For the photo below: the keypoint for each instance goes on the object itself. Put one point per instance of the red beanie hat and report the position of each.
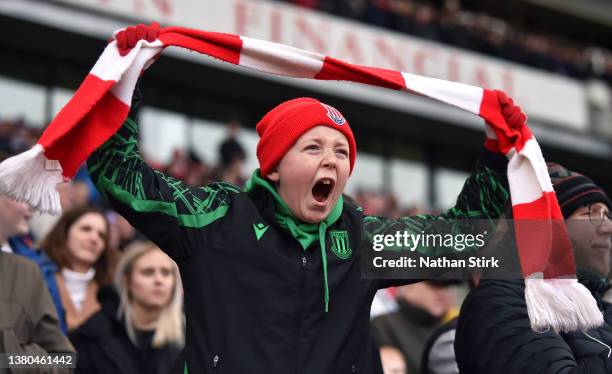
(282, 126)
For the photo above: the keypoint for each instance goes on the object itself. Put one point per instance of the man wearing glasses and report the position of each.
(494, 334)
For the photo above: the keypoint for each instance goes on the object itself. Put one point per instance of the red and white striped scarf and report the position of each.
(102, 102)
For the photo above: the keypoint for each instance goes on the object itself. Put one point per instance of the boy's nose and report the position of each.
(329, 159)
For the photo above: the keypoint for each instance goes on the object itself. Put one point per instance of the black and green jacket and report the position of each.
(257, 282)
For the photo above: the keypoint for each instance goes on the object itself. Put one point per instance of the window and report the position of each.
(448, 184)
(409, 183)
(161, 132)
(21, 100)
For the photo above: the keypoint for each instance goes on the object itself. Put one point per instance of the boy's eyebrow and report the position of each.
(340, 143)
(320, 140)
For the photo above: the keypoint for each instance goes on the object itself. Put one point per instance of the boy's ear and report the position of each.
(273, 175)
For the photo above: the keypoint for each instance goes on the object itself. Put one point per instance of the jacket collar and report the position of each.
(593, 282)
(304, 233)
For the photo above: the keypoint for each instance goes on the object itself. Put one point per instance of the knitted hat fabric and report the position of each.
(574, 189)
(282, 126)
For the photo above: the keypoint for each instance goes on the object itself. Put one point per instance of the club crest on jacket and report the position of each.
(340, 244)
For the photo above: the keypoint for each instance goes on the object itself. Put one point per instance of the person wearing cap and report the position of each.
(493, 332)
(272, 273)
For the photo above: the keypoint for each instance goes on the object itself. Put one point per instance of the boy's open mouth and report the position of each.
(322, 189)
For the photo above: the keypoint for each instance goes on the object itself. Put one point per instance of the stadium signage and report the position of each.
(541, 94)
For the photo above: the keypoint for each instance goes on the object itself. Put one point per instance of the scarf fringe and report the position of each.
(561, 305)
(30, 177)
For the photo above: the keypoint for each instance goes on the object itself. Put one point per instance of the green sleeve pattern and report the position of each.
(483, 199)
(120, 173)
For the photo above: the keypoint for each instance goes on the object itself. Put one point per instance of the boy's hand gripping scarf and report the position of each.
(555, 300)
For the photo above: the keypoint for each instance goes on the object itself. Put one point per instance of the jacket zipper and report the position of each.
(304, 262)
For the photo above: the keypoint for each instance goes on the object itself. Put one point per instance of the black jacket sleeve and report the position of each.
(483, 198)
(494, 336)
(175, 216)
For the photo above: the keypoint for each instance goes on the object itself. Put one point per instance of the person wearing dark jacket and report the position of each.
(493, 332)
(272, 274)
(439, 352)
(421, 310)
(140, 326)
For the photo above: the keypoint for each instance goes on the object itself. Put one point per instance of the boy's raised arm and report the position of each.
(169, 212)
(484, 196)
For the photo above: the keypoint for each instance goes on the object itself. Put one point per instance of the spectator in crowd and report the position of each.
(392, 360)
(197, 170)
(27, 315)
(21, 245)
(187, 166)
(232, 156)
(86, 191)
(384, 301)
(16, 137)
(422, 308)
(275, 232)
(121, 233)
(6, 131)
(608, 294)
(424, 18)
(78, 244)
(377, 203)
(72, 194)
(14, 217)
(28, 321)
(439, 352)
(353, 9)
(402, 15)
(140, 328)
(377, 12)
(179, 165)
(494, 333)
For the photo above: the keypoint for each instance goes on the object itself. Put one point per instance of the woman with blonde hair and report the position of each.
(78, 245)
(140, 328)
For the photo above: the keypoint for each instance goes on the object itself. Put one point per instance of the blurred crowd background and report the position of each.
(186, 165)
(513, 38)
(406, 171)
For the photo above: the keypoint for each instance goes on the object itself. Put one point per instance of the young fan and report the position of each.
(272, 274)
